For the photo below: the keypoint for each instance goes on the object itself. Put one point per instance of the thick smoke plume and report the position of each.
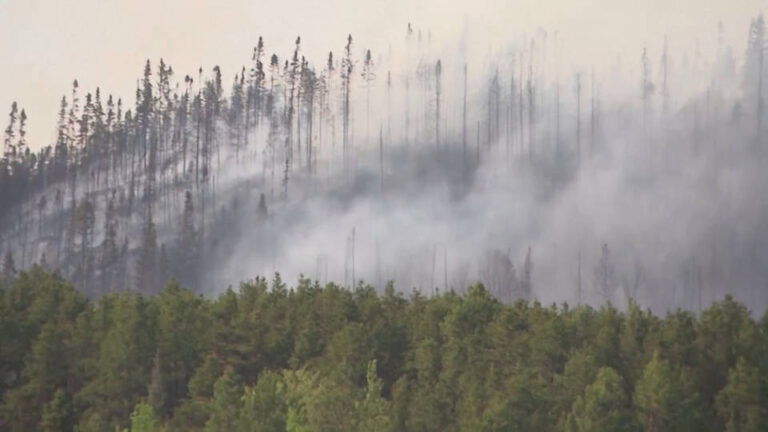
(429, 168)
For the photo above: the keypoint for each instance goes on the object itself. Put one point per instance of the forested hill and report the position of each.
(433, 164)
(265, 357)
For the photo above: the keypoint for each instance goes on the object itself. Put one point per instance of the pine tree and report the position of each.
(61, 150)
(226, 403)
(84, 220)
(373, 411)
(368, 75)
(464, 119)
(604, 275)
(22, 142)
(109, 248)
(293, 85)
(578, 117)
(526, 286)
(347, 67)
(57, 414)
(662, 401)
(146, 266)
(156, 397)
(188, 246)
(754, 72)
(143, 419)
(438, 89)
(742, 403)
(265, 405)
(602, 407)
(8, 269)
(646, 87)
(259, 77)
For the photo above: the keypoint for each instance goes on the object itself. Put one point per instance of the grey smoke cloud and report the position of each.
(675, 193)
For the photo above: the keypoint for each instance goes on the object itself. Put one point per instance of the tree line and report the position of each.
(129, 195)
(266, 357)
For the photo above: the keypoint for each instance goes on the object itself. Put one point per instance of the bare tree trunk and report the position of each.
(381, 158)
(464, 119)
(578, 118)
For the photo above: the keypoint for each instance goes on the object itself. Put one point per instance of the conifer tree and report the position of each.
(188, 246)
(9, 140)
(57, 413)
(259, 77)
(146, 265)
(526, 285)
(368, 75)
(84, 220)
(578, 117)
(226, 402)
(646, 87)
(741, 404)
(109, 247)
(661, 399)
(603, 407)
(347, 66)
(438, 89)
(143, 419)
(604, 275)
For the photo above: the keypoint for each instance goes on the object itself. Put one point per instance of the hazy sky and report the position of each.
(48, 43)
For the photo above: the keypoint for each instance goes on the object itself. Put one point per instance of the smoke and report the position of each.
(620, 186)
(684, 221)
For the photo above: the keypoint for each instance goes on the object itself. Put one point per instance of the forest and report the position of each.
(406, 166)
(266, 357)
(427, 238)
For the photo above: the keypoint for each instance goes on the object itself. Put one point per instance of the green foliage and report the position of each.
(742, 403)
(373, 412)
(265, 407)
(266, 357)
(663, 400)
(143, 419)
(604, 407)
(225, 406)
(57, 414)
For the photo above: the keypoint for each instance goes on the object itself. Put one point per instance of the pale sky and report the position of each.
(48, 43)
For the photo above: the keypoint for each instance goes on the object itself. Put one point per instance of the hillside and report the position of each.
(268, 357)
(427, 166)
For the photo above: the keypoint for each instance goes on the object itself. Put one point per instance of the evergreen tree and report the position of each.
(661, 400)
(604, 275)
(109, 248)
(146, 266)
(742, 403)
(603, 407)
(8, 269)
(373, 411)
(188, 246)
(265, 406)
(57, 414)
(143, 419)
(526, 285)
(84, 220)
(368, 75)
(226, 403)
(347, 67)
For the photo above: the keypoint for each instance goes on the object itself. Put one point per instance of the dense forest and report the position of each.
(428, 165)
(481, 241)
(265, 357)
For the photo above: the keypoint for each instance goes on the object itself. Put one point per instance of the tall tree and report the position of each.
(347, 67)
(741, 404)
(603, 407)
(604, 275)
(188, 246)
(438, 89)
